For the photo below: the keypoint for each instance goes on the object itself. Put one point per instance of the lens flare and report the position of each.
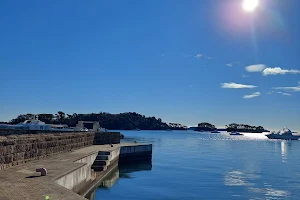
(250, 5)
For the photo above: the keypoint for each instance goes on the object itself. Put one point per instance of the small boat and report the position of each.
(235, 133)
(215, 131)
(285, 134)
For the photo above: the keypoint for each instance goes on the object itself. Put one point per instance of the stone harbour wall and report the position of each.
(107, 138)
(16, 149)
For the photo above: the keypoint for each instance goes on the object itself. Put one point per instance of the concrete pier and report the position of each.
(67, 173)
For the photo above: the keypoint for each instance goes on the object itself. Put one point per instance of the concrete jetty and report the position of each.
(68, 174)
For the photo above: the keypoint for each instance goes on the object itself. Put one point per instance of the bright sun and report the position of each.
(250, 5)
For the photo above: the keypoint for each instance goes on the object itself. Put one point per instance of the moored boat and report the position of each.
(235, 133)
(285, 134)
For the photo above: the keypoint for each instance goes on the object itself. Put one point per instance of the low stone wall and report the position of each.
(22, 147)
(16, 149)
(107, 138)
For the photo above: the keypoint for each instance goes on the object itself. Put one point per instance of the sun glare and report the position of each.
(250, 5)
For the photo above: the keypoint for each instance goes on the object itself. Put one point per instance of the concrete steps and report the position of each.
(106, 157)
(102, 161)
(103, 153)
(99, 168)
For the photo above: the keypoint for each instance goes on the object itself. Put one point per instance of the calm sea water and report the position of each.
(191, 165)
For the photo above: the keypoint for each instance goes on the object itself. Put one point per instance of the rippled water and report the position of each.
(192, 165)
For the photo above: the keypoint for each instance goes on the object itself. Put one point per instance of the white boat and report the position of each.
(216, 131)
(235, 133)
(285, 134)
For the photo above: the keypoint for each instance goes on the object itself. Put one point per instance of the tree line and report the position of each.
(204, 126)
(122, 121)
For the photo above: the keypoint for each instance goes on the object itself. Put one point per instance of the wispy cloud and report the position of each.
(198, 56)
(286, 94)
(283, 93)
(249, 96)
(236, 86)
(292, 89)
(231, 64)
(244, 76)
(256, 68)
(279, 71)
(270, 92)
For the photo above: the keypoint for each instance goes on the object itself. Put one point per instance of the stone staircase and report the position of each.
(102, 161)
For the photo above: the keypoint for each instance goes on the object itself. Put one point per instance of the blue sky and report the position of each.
(183, 61)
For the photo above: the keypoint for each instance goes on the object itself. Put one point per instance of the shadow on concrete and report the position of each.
(35, 176)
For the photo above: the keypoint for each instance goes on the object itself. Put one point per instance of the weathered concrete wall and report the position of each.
(76, 179)
(16, 149)
(133, 153)
(82, 180)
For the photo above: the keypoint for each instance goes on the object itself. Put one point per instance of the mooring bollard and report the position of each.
(42, 170)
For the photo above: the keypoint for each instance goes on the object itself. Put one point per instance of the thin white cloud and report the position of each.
(249, 96)
(244, 76)
(292, 89)
(198, 56)
(283, 93)
(256, 68)
(299, 82)
(279, 71)
(231, 64)
(236, 86)
(286, 94)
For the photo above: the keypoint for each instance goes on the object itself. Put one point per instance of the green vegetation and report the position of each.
(244, 128)
(122, 121)
(130, 121)
(204, 126)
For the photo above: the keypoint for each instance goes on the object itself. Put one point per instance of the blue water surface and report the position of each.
(193, 165)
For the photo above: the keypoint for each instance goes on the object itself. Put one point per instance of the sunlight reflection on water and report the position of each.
(193, 165)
